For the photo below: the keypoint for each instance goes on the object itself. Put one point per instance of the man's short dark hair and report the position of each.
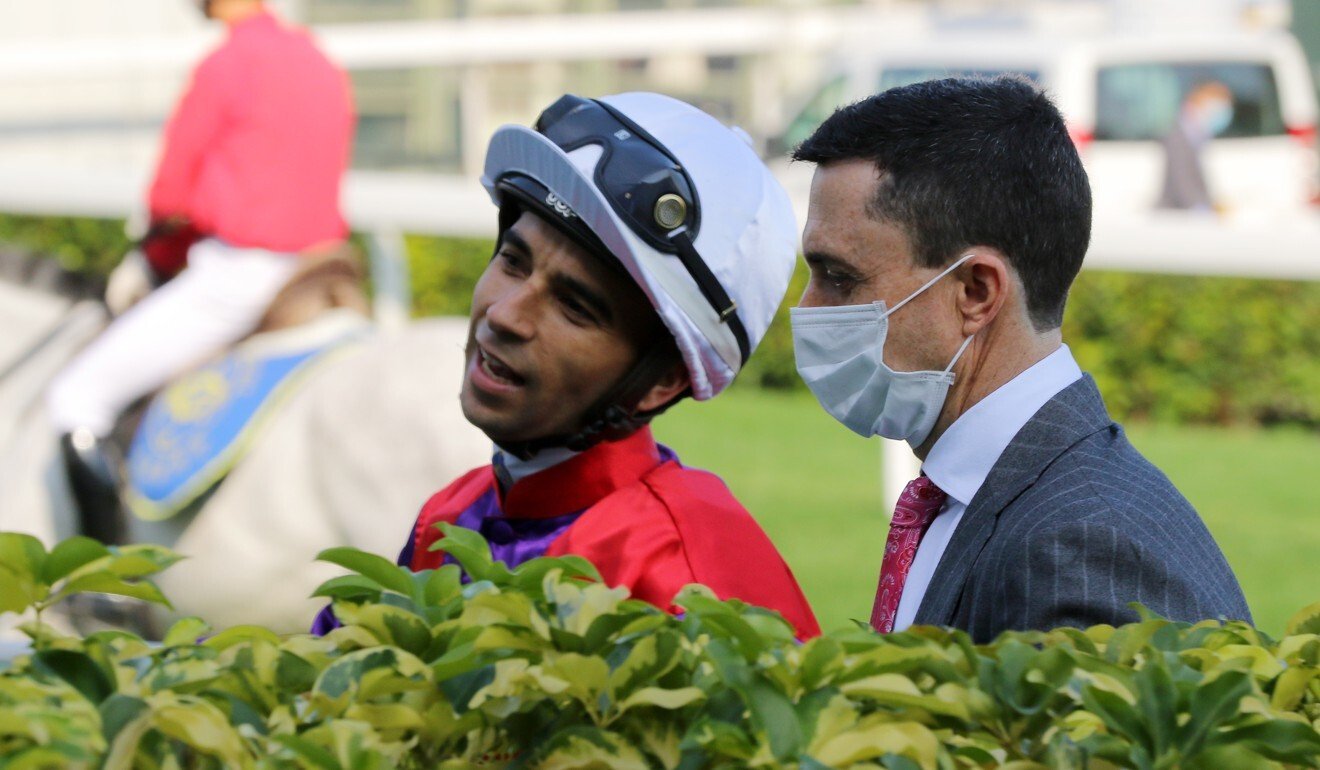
(972, 161)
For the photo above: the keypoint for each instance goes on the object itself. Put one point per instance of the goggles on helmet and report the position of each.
(646, 187)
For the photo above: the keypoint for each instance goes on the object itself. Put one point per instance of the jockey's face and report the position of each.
(553, 330)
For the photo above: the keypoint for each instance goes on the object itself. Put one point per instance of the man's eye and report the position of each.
(836, 278)
(511, 261)
(577, 312)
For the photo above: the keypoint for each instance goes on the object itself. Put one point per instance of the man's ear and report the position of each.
(672, 384)
(985, 283)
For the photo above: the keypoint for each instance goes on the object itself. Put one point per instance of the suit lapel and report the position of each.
(1075, 412)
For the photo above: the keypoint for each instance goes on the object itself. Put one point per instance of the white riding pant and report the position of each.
(216, 301)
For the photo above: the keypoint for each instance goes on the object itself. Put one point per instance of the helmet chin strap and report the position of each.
(614, 416)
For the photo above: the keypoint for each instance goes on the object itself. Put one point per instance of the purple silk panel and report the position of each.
(512, 541)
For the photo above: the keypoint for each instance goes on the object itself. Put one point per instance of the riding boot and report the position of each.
(93, 466)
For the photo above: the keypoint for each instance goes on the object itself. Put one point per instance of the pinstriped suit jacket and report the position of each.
(1070, 526)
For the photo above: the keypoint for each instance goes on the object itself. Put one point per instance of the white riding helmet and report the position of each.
(680, 199)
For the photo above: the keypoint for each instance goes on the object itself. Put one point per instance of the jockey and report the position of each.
(248, 179)
(643, 251)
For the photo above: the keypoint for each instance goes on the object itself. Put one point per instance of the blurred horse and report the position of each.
(347, 458)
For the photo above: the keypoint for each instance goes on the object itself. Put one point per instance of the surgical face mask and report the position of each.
(1217, 117)
(840, 355)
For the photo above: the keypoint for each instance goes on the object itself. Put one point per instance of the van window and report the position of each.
(894, 77)
(821, 106)
(1141, 101)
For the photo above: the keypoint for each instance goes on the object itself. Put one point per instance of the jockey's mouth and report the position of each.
(497, 370)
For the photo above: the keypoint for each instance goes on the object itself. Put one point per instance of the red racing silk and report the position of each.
(646, 522)
(255, 150)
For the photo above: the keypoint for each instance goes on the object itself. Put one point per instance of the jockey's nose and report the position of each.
(514, 312)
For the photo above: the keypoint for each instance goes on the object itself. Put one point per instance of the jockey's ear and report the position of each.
(673, 384)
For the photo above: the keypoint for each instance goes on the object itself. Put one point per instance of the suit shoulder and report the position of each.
(1104, 477)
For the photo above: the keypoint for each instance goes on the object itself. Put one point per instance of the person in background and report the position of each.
(248, 178)
(643, 250)
(947, 221)
(1206, 112)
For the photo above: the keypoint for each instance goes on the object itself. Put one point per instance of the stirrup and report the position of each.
(92, 467)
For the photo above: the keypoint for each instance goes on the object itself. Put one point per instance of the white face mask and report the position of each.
(840, 355)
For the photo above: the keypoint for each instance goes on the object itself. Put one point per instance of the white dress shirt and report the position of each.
(962, 458)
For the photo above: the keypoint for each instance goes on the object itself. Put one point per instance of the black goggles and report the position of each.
(647, 188)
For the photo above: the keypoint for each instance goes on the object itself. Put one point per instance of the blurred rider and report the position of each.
(643, 250)
(248, 178)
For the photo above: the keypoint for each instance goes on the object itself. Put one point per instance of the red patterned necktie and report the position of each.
(916, 509)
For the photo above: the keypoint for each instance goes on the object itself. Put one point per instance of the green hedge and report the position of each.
(543, 667)
(1164, 348)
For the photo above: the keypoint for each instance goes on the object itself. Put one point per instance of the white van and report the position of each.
(1120, 96)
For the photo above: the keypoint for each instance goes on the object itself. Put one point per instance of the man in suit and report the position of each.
(946, 223)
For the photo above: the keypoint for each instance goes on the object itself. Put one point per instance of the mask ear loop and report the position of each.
(958, 355)
(929, 284)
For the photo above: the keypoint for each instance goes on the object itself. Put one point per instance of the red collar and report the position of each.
(583, 480)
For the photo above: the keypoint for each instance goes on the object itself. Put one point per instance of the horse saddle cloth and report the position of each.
(198, 427)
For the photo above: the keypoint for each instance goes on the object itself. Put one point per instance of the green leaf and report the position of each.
(647, 661)
(1211, 705)
(105, 582)
(771, 710)
(119, 710)
(589, 748)
(21, 560)
(898, 691)
(17, 592)
(1292, 686)
(1157, 699)
(1279, 740)
(663, 698)
(443, 585)
(1118, 715)
(1305, 621)
(240, 635)
(309, 752)
(69, 555)
(186, 632)
(472, 553)
(459, 688)
(349, 587)
(721, 617)
(821, 658)
(391, 625)
(529, 575)
(358, 669)
(293, 674)
(78, 669)
(384, 572)
(22, 554)
(197, 723)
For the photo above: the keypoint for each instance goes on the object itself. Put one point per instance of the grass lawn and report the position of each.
(814, 486)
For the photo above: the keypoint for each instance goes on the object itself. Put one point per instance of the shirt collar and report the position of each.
(581, 479)
(512, 469)
(962, 458)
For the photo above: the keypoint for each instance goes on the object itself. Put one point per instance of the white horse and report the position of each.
(347, 460)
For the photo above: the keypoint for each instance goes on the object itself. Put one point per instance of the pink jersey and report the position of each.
(256, 148)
